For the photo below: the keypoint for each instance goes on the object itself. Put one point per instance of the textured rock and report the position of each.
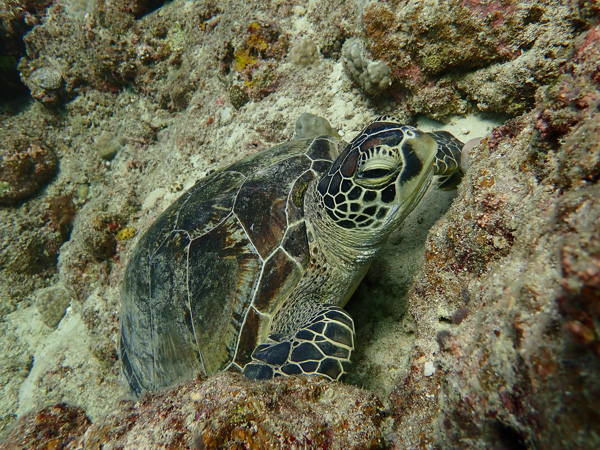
(31, 237)
(15, 365)
(101, 48)
(55, 426)
(228, 411)
(17, 17)
(26, 165)
(465, 55)
(506, 305)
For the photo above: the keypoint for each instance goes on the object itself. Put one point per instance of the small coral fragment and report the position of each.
(238, 96)
(305, 53)
(308, 125)
(52, 303)
(45, 85)
(126, 233)
(100, 237)
(107, 145)
(372, 76)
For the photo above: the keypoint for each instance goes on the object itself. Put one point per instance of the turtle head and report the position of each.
(379, 177)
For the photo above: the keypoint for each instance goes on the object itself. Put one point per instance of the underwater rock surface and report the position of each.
(56, 426)
(506, 307)
(493, 344)
(226, 410)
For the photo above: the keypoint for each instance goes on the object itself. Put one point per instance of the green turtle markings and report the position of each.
(249, 269)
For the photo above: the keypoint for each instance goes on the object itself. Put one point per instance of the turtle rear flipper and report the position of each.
(323, 346)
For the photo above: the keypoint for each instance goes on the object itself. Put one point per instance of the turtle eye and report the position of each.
(375, 173)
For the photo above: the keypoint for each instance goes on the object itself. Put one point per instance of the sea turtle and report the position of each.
(250, 268)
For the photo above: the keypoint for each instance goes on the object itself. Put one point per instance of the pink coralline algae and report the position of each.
(495, 12)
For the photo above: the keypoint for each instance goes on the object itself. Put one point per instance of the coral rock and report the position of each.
(26, 165)
(492, 55)
(518, 259)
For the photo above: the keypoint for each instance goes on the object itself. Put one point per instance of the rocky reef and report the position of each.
(506, 304)
(482, 333)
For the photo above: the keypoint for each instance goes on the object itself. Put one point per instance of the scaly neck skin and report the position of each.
(351, 249)
(340, 259)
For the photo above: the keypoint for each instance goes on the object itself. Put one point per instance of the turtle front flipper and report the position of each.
(323, 346)
(447, 160)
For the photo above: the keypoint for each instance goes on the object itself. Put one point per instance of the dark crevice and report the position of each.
(16, 23)
(10, 79)
(509, 438)
(140, 9)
